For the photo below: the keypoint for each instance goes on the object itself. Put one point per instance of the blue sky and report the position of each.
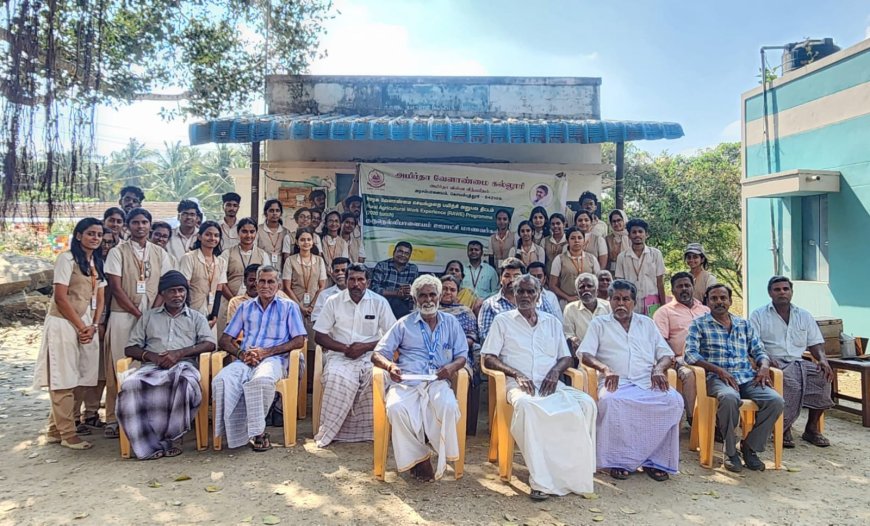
(663, 60)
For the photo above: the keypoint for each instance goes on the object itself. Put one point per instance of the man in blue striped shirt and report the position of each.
(726, 347)
(244, 390)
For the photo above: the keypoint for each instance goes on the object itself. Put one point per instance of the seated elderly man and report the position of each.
(726, 347)
(431, 348)
(339, 278)
(787, 332)
(348, 328)
(638, 413)
(250, 292)
(510, 269)
(157, 402)
(579, 313)
(244, 390)
(673, 320)
(528, 346)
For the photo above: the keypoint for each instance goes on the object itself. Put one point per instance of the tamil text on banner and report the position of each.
(440, 208)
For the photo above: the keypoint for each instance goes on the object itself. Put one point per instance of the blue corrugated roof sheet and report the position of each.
(333, 127)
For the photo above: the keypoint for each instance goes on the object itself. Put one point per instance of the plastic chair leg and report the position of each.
(123, 442)
(493, 423)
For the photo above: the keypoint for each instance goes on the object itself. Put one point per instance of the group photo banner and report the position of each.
(440, 208)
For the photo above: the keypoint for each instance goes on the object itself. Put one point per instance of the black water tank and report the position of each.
(799, 54)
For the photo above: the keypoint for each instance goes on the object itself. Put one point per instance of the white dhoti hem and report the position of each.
(556, 435)
(428, 410)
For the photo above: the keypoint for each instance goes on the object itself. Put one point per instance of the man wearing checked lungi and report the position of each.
(348, 327)
(244, 390)
(787, 331)
(157, 402)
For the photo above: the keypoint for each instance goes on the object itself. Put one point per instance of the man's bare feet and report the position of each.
(423, 471)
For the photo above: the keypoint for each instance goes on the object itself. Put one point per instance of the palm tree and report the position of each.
(180, 174)
(129, 166)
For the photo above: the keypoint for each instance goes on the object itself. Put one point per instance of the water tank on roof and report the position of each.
(799, 54)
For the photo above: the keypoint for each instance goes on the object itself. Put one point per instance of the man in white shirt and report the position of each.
(579, 313)
(528, 346)
(638, 413)
(348, 328)
(339, 277)
(787, 331)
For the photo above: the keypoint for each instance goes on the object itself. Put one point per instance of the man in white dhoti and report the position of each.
(638, 413)
(348, 328)
(530, 348)
(244, 390)
(430, 345)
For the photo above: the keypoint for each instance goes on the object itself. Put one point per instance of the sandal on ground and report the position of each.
(787, 440)
(619, 474)
(154, 456)
(94, 421)
(657, 474)
(111, 430)
(77, 446)
(52, 439)
(538, 495)
(816, 439)
(261, 443)
(82, 429)
(172, 452)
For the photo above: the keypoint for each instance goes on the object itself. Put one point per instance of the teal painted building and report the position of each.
(806, 187)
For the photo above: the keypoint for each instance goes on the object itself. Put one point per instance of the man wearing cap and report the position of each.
(230, 237)
(673, 320)
(696, 260)
(156, 402)
(244, 390)
(787, 332)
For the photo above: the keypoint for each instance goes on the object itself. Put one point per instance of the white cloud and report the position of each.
(358, 45)
(731, 132)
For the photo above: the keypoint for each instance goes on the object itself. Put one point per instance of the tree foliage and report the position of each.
(687, 199)
(64, 57)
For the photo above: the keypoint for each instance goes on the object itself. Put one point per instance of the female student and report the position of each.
(696, 260)
(245, 253)
(595, 244)
(617, 241)
(526, 250)
(69, 353)
(114, 218)
(465, 296)
(503, 240)
(271, 234)
(206, 271)
(570, 264)
(557, 241)
(334, 246)
(540, 224)
(304, 276)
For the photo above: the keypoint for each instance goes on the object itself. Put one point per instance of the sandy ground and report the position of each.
(47, 484)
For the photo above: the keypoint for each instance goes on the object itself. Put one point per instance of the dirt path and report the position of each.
(47, 484)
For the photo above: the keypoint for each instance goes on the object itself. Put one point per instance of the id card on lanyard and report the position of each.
(433, 345)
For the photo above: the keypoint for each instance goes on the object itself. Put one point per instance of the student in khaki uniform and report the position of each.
(69, 353)
(570, 264)
(133, 269)
(238, 258)
(206, 272)
(334, 246)
(271, 234)
(229, 230)
(304, 276)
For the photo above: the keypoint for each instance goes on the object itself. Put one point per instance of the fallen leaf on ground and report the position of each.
(793, 470)
(510, 518)
(271, 519)
(181, 478)
(598, 518)
(594, 510)
(33, 455)
(153, 483)
(81, 516)
(627, 511)
(217, 475)
(212, 489)
(176, 503)
(249, 518)
(590, 496)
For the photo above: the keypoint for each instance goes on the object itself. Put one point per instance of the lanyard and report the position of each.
(474, 279)
(242, 258)
(140, 262)
(210, 272)
(574, 260)
(638, 267)
(306, 277)
(431, 346)
(93, 272)
(330, 242)
(271, 240)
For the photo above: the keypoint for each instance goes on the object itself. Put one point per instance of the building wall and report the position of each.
(469, 97)
(818, 118)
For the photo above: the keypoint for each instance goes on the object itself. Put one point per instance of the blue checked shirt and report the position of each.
(495, 305)
(735, 351)
(386, 276)
(278, 323)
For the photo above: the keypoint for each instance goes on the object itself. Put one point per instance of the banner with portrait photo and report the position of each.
(440, 208)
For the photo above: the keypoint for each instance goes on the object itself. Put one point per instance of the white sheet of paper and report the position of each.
(423, 377)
